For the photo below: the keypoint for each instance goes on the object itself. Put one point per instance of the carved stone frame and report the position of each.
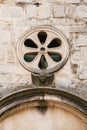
(45, 96)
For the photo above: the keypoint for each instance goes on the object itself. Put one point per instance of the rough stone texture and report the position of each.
(77, 59)
(31, 11)
(69, 11)
(85, 0)
(6, 25)
(78, 29)
(61, 11)
(4, 36)
(73, 1)
(1, 1)
(24, 1)
(70, 82)
(66, 1)
(58, 11)
(68, 16)
(81, 11)
(11, 12)
(42, 12)
(3, 54)
(80, 39)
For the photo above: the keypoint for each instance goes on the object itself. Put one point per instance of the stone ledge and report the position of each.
(78, 29)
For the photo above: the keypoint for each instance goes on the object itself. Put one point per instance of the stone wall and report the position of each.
(69, 16)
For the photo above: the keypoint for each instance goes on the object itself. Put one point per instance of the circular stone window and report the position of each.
(43, 49)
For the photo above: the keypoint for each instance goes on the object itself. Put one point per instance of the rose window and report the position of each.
(43, 49)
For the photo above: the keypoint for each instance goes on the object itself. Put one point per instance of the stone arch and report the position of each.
(43, 105)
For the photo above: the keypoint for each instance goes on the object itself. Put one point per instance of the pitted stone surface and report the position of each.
(68, 16)
(59, 11)
(66, 1)
(81, 11)
(24, 1)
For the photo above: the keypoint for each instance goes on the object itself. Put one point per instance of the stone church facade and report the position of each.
(43, 64)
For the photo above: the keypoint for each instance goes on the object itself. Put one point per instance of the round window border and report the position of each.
(44, 94)
(40, 71)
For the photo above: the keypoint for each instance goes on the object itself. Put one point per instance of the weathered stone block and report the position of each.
(6, 25)
(44, 11)
(24, 1)
(58, 11)
(62, 82)
(19, 31)
(11, 55)
(72, 1)
(66, 1)
(31, 11)
(85, 0)
(79, 62)
(81, 11)
(67, 22)
(12, 68)
(24, 80)
(8, 78)
(78, 29)
(1, 1)
(63, 11)
(82, 86)
(4, 37)
(3, 54)
(80, 39)
(11, 12)
(69, 11)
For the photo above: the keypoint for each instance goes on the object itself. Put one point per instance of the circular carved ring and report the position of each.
(43, 49)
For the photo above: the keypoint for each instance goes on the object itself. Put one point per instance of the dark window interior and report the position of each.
(30, 43)
(55, 56)
(54, 43)
(29, 57)
(43, 63)
(42, 37)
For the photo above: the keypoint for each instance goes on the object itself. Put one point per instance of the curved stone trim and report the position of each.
(27, 95)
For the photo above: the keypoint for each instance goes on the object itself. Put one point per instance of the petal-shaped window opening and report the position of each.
(43, 63)
(30, 43)
(42, 37)
(28, 57)
(54, 43)
(55, 56)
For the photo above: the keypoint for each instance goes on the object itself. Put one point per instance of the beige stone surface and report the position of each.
(11, 12)
(59, 11)
(80, 40)
(44, 11)
(43, 119)
(68, 16)
(24, 1)
(85, 0)
(78, 58)
(81, 11)
(4, 37)
(31, 11)
(66, 1)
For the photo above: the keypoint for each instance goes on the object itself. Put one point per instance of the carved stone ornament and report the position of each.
(43, 50)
